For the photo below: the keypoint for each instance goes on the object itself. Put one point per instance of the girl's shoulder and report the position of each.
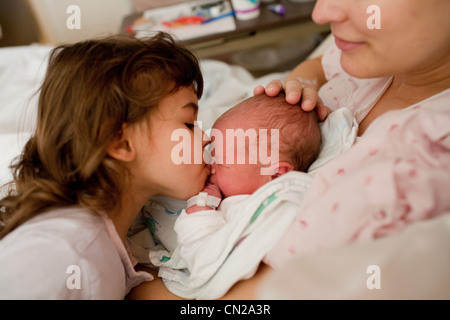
(61, 254)
(74, 226)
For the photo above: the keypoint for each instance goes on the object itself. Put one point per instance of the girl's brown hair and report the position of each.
(90, 90)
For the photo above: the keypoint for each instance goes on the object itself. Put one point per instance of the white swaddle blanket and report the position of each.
(217, 248)
(239, 235)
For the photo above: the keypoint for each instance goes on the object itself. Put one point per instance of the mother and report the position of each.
(396, 80)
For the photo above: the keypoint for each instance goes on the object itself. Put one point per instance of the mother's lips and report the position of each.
(346, 45)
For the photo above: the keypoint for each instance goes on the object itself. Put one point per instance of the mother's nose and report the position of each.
(329, 11)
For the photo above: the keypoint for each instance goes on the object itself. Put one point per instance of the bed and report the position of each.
(412, 265)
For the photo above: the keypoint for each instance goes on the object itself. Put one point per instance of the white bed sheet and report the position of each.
(21, 72)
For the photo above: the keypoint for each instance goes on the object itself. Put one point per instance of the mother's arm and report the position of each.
(242, 290)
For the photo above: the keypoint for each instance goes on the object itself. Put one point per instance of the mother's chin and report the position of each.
(364, 63)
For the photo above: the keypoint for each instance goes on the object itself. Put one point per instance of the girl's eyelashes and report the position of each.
(189, 125)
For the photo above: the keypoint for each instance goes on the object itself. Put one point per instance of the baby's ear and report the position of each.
(121, 147)
(283, 167)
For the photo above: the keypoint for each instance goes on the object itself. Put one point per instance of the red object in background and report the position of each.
(183, 21)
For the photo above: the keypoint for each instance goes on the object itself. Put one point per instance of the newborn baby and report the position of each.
(293, 145)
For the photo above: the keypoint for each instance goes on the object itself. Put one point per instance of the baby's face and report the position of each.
(232, 170)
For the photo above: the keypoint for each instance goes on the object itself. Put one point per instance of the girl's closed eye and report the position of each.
(189, 125)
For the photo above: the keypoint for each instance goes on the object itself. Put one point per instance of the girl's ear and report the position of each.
(121, 147)
(283, 167)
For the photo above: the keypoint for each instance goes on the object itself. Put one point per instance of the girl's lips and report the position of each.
(346, 45)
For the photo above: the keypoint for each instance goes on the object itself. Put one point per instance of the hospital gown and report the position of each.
(396, 174)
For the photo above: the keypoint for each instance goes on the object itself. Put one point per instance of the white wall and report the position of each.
(97, 17)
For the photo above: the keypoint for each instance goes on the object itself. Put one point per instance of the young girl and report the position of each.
(101, 148)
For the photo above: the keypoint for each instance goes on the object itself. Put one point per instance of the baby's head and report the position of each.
(259, 121)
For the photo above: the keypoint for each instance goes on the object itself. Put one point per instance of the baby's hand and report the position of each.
(212, 189)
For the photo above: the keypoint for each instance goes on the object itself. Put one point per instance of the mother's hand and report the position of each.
(295, 91)
(248, 289)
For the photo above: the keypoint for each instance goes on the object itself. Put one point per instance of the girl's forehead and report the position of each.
(183, 100)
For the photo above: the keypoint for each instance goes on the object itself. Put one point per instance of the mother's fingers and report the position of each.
(293, 90)
(259, 90)
(322, 112)
(310, 99)
(274, 87)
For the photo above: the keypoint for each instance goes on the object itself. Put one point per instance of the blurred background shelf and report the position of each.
(261, 45)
